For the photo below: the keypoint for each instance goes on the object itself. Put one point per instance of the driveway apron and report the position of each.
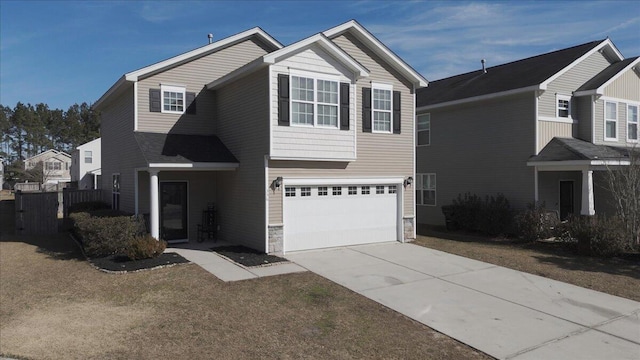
(505, 313)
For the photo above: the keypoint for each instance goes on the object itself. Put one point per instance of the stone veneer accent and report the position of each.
(275, 239)
(408, 226)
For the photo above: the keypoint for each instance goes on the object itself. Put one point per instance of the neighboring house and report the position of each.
(85, 165)
(303, 146)
(1, 173)
(541, 129)
(55, 166)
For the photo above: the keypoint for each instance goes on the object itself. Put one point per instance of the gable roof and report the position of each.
(570, 149)
(379, 48)
(179, 150)
(133, 76)
(597, 84)
(529, 74)
(55, 153)
(318, 39)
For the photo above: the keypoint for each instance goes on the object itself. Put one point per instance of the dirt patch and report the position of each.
(184, 312)
(615, 276)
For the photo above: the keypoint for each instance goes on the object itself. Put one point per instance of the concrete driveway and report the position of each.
(505, 313)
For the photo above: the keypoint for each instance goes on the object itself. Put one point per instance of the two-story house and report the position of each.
(543, 129)
(86, 165)
(55, 166)
(303, 146)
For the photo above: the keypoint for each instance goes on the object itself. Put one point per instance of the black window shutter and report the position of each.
(190, 98)
(155, 101)
(283, 100)
(396, 112)
(344, 106)
(366, 109)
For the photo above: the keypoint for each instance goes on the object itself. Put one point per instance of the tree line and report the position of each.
(28, 130)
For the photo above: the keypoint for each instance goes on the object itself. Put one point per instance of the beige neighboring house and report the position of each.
(56, 165)
(304, 146)
(543, 129)
(86, 165)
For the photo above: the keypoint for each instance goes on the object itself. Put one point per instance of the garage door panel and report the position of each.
(337, 220)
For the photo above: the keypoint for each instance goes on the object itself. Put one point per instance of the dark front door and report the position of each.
(173, 210)
(566, 199)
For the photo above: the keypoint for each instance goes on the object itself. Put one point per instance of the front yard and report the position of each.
(54, 306)
(615, 276)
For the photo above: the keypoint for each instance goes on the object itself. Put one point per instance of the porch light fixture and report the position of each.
(277, 182)
(408, 181)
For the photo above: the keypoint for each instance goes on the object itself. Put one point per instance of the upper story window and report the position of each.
(563, 109)
(382, 108)
(632, 123)
(52, 165)
(314, 101)
(610, 120)
(88, 157)
(173, 99)
(423, 137)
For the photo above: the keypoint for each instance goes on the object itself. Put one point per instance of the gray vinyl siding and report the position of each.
(243, 126)
(378, 155)
(480, 148)
(195, 75)
(584, 107)
(627, 87)
(602, 197)
(120, 152)
(621, 127)
(547, 130)
(568, 82)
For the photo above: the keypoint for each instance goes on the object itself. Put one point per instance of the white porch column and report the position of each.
(587, 193)
(154, 197)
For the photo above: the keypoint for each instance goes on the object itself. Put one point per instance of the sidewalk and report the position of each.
(505, 313)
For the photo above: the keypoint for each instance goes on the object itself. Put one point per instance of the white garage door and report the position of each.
(338, 215)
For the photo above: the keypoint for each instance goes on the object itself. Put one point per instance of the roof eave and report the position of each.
(379, 48)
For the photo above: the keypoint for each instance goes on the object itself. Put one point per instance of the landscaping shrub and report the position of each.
(535, 223)
(594, 235)
(491, 216)
(144, 247)
(106, 235)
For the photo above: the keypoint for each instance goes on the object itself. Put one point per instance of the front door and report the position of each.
(566, 199)
(173, 211)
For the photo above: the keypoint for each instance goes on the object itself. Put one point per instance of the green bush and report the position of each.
(594, 235)
(144, 247)
(491, 216)
(106, 235)
(535, 223)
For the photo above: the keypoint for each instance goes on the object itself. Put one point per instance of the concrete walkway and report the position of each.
(505, 313)
(227, 270)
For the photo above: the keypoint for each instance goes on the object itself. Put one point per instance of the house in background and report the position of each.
(55, 166)
(303, 146)
(1, 173)
(541, 129)
(86, 165)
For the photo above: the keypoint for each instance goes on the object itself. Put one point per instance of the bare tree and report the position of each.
(624, 184)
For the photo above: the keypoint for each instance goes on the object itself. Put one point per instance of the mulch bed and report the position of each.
(119, 263)
(247, 257)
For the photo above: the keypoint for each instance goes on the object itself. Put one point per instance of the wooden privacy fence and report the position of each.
(36, 213)
(75, 196)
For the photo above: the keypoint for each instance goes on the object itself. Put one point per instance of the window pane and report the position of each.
(424, 122)
(381, 99)
(611, 129)
(327, 91)
(424, 137)
(611, 110)
(381, 121)
(301, 113)
(633, 131)
(327, 115)
(632, 114)
(429, 197)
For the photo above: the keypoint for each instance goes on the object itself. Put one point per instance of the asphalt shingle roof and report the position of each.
(567, 149)
(183, 149)
(514, 75)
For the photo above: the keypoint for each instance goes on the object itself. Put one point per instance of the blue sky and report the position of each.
(66, 52)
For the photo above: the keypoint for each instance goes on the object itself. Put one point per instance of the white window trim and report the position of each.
(315, 102)
(388, 87)
(176, 89)
(418, 131)
(637, 122)
(567, 98)
(418, 187)
(605, 120)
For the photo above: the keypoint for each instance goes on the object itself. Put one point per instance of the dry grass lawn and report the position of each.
(615, 276)
(55, 306)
